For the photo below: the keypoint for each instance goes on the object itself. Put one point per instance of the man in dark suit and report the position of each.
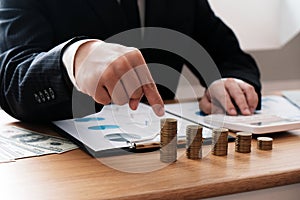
(50, 46)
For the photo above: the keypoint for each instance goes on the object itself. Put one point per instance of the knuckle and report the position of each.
(249, 88)
(230, 80)
(137, 56)
(120, 63)
(136, 52)
(150, 87)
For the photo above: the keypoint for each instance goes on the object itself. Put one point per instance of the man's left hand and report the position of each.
(228, 95)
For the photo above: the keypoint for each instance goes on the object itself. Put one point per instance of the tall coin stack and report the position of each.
(168, 140)
(194, 142)
(243, 142)
(264, 143)
(220, 141)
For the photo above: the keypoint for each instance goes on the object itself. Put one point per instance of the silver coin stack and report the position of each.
(168, 140)
(220, 141)
(194, 142)
(243, 142)
(264, 143)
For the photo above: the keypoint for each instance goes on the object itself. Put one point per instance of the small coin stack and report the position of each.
(243, 142)
(264, 143)
(194, 142)
(220, 141)
(168, 140)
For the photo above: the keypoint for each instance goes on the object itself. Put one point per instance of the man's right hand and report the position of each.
(115, 73)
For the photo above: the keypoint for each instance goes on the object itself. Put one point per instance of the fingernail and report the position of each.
(159, 110)
(247, 111)
(232, 111)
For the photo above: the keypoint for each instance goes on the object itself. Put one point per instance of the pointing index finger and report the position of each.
(147, 83)
(150, 89)
(154, 98)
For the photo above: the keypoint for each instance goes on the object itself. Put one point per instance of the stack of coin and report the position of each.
(220, 141)
(243, 142)
(194, 142)
(264, 143)
(168, 140)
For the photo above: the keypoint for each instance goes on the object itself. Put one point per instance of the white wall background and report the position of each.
(260, 24)
(290, 20)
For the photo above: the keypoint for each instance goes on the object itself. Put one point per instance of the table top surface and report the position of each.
(77, 175)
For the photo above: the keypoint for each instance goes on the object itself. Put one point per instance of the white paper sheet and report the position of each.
(115, 125)
(277, 114)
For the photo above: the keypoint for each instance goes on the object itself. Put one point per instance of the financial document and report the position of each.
(119, 126)
(277, 114)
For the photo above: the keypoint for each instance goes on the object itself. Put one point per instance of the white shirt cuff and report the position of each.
(69, 56)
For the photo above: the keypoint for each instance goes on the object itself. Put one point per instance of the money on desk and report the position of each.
(16, 143)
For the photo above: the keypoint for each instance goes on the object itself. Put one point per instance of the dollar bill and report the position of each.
(16, 150)
(5, 156)
(35, 142)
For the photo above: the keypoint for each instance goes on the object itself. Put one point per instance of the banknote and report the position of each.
(26, 143)
(16, 150)
(5, 156)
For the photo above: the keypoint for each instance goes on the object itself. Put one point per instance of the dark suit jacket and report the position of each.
(34, 84)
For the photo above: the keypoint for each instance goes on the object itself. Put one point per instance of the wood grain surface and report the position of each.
(76, 175)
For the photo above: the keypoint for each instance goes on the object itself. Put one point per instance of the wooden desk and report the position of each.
(76, 175)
